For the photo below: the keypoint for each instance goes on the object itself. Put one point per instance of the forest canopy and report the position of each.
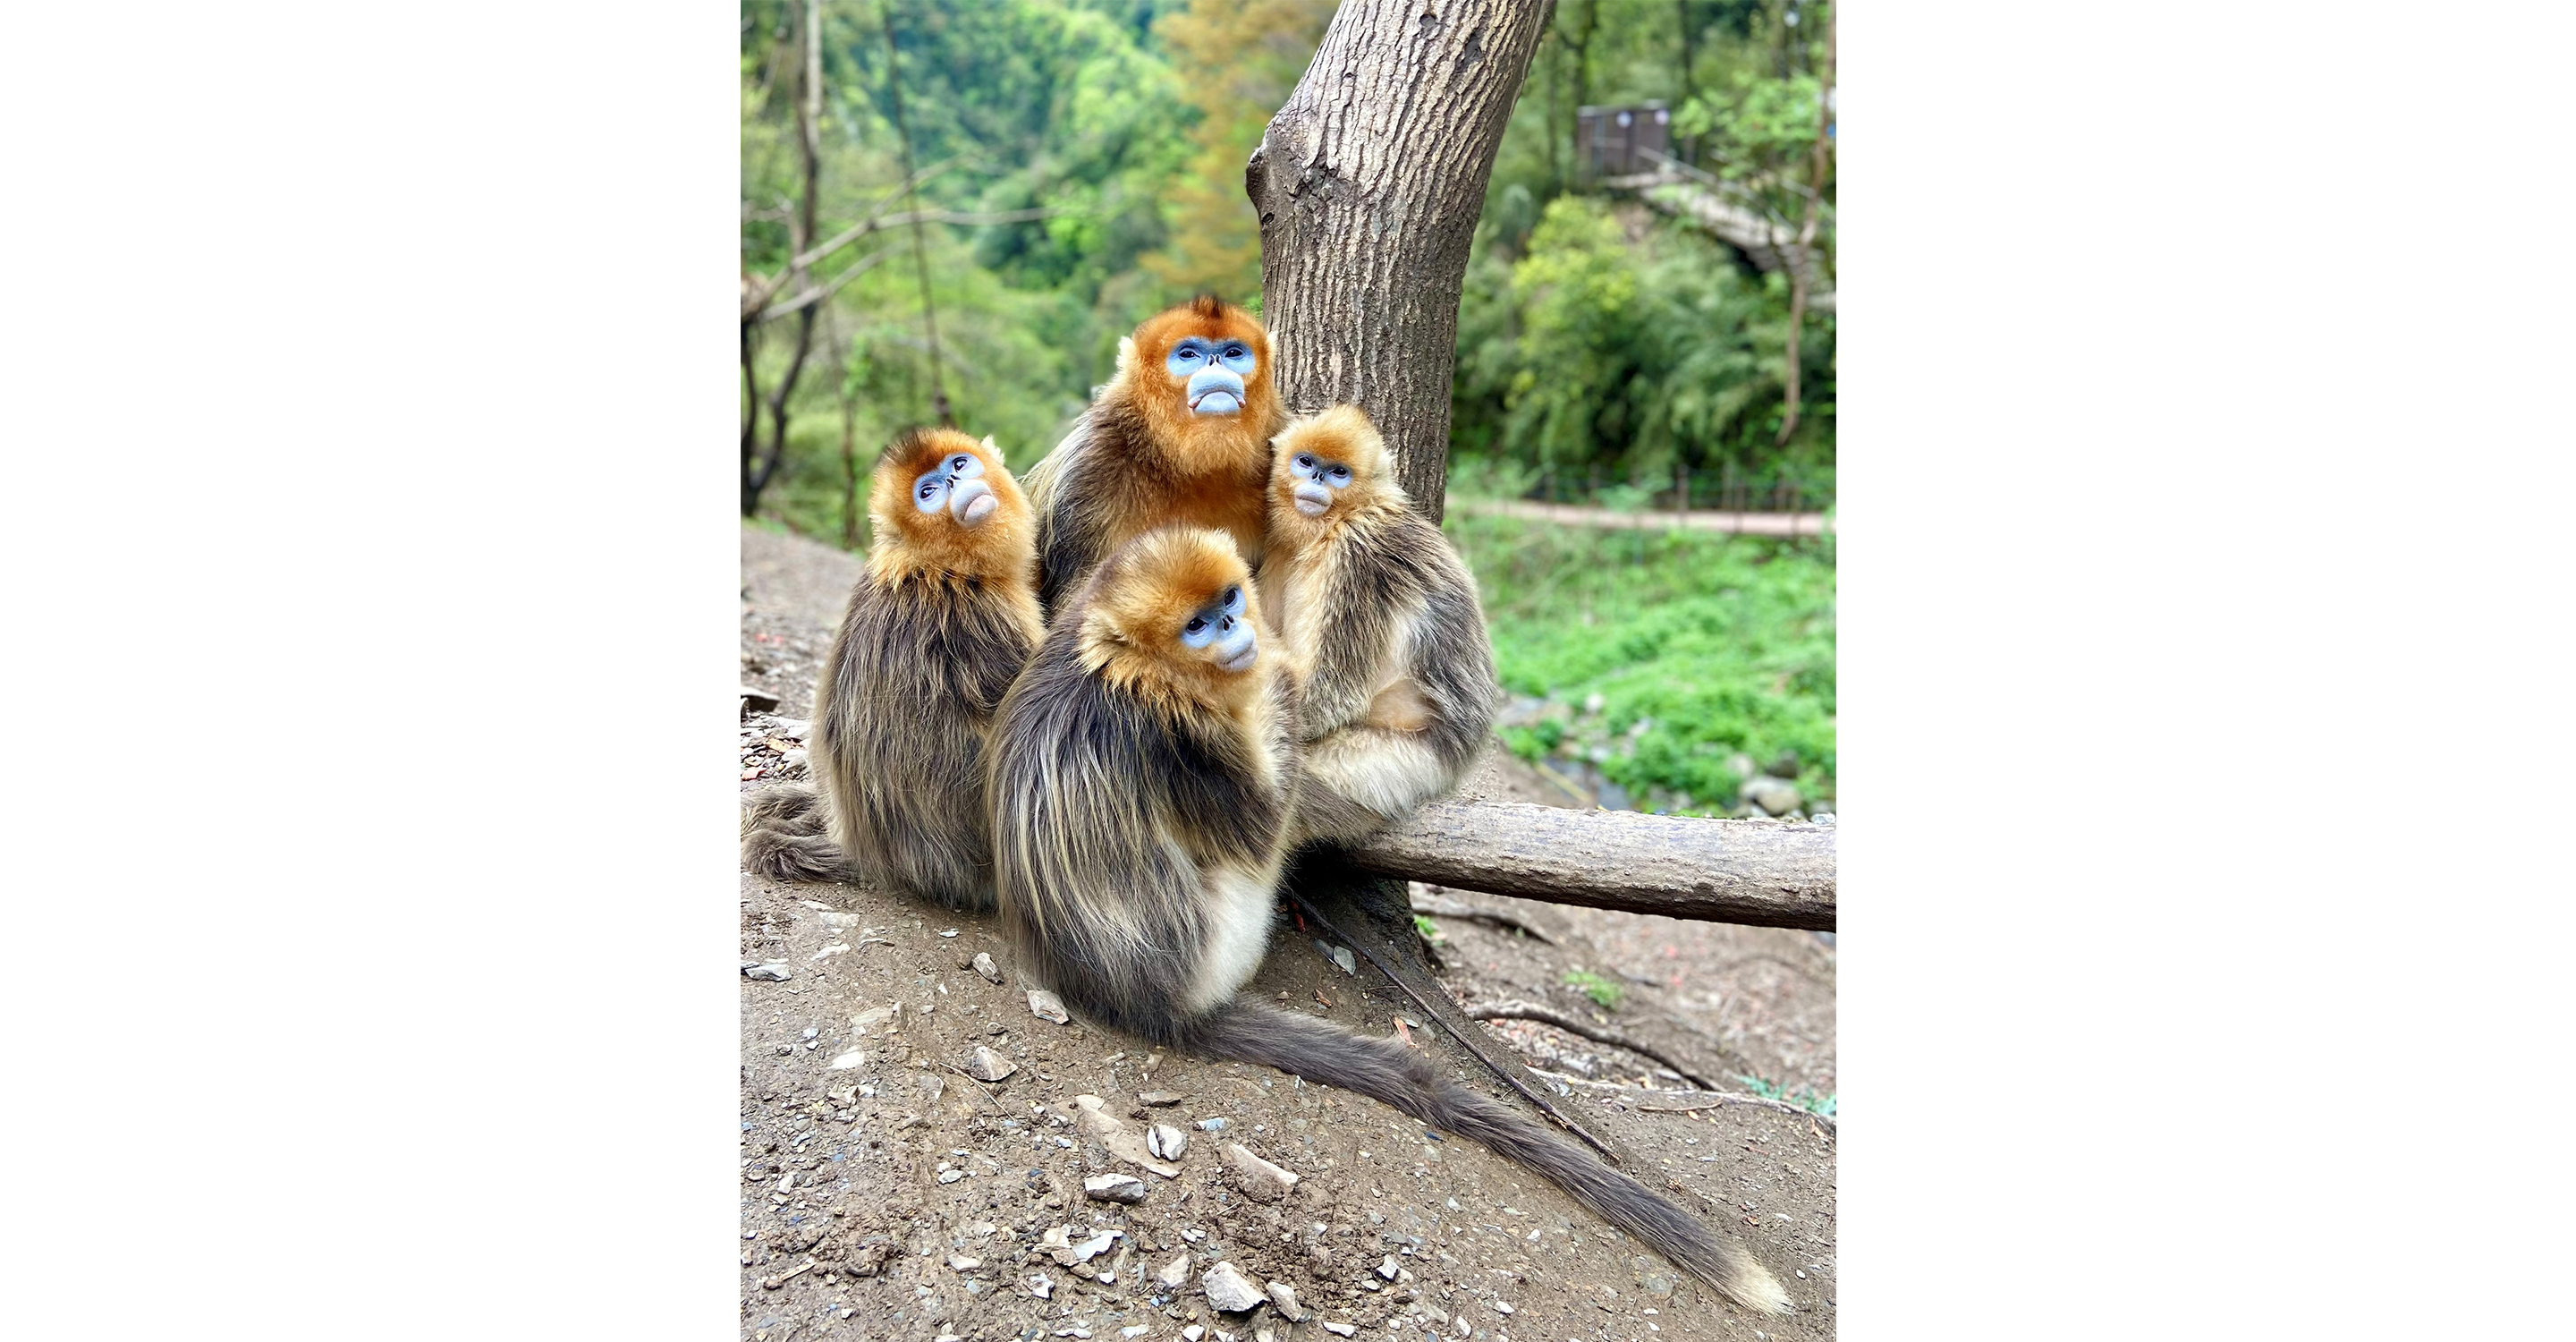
(1086, 157)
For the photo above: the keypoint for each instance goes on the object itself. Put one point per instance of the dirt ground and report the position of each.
(887, 1193)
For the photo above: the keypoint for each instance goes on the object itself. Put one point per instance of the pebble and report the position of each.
(958, 1262)
(1283, 1298)
(984, 965)
(1502, 1306)
(1388, 1269)
(1228, 1291)
(1339, 955)
(951, 1176)
(949, 933)
(1160, 1098)
(1211, 1125)
(1341, 1330)
(774, 971)
(1260, 1180)
(847, 1061)
(987, 1065)
(1045, 1006)
(1193, 1333)
(1176, 1273)
(1040, 1286)
(1135, 1330)
(1166, 1142)
(1059, 1243)
(1114, 1188)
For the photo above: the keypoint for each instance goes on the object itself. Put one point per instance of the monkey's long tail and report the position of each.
(1387, 1071)
(786, 835)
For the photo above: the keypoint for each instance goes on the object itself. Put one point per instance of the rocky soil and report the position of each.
(928, 1152)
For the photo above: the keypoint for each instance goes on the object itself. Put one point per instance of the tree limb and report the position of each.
(822, 291)
(1439, 907)
(1765, 873)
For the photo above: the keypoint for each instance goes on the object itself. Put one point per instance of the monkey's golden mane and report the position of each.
(1139, 599)
(1205, 442)
(910, 543)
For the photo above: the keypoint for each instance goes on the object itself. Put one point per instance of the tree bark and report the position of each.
(1369, 181)
(1764, 873)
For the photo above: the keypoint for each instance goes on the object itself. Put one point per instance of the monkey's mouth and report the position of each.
(1240, 661)
(972, 502)
(1312, 499)
(1216, 401)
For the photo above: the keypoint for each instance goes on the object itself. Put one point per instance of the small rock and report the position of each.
(1773, 795)
(1227, 1290)
(1040, 1286)
(1283, 1298)
(1160, 1098)
(1339, 955)
(795, 729)
(758, 701)
(1341, 1330)
(1176, 1273)
(1388, 1269)
(1260, 1180)
(949, 933)
(847, 1061)
(987, 1065)
(1193, 1333)
(772, 971)
(1060, 1245)
(871, 1016)
(1114, 1188)
(951, 1176)
(1166, 1142)
(984, 965)
(1502, 1306)
(1045, 1006)
(1211, 1125)
(958, 1262)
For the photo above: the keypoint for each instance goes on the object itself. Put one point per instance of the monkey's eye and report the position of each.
(958, 463)
(1237, 356)
(1338, 476)
(1234, 598)
(1199, 632)
(1237, 352)
(1305, 462)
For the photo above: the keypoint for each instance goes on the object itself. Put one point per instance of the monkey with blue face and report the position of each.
(1144, 781)
(1380, 621)
(1179, 436)
(936, 630)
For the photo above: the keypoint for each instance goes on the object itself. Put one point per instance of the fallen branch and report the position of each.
(1440, 907)
(1766, 873)
(1596, 1033)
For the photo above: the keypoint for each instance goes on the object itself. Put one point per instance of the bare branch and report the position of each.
(823, 291)
(1599, 1034)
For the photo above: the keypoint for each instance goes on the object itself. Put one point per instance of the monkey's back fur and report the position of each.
(1140, 828)
(900, 714)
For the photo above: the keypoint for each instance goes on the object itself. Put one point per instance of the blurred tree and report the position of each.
(1237, 60)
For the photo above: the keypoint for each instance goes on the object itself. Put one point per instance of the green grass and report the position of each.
(1822, 1105)
(1605, 993)
(1704, 649)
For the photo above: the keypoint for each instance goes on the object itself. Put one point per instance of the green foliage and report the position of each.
(1631, 352)
(1605, 993)
(1427, 929)
(1701, 648)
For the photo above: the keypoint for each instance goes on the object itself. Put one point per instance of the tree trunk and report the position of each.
(1805, 263)
(1369, 182)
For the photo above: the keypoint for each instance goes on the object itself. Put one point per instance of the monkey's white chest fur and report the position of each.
(1239, 909)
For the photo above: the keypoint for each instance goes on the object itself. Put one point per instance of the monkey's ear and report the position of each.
(1126, 352)
(988, 444)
